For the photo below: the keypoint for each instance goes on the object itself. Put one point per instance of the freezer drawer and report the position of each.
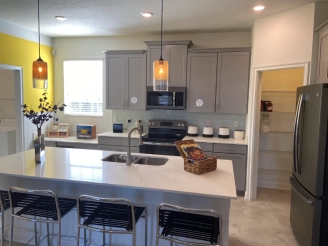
(305, 215)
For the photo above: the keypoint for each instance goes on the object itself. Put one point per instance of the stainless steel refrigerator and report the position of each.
(309, 182)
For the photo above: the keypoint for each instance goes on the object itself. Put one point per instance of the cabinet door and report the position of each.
(239, 168)
(232, 82)
(201, 82)
(177, 58)
(153, 54)
(115, 98)
(136, 77)
(323, 57)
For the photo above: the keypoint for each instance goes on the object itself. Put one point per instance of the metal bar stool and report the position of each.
(199, 224)
(38, 206)
(4, 204)
(99, 213)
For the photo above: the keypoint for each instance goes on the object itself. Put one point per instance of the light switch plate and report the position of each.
(235, 123)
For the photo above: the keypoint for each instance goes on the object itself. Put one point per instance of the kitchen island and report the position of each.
(71, 172)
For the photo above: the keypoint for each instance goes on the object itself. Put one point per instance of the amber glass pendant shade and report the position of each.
(161, 75)
(40, 74)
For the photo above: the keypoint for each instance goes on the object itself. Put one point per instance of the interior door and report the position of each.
(310, 138)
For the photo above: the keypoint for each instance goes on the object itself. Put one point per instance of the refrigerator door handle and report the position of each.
(309, 202)
(297, 168)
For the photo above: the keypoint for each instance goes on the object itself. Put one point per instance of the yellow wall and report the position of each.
(282, 80)
(20, 52)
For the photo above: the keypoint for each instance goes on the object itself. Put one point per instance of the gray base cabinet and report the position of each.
(126, 80)
(118, 144)
(175, 53)
(323, 54)
(239, 168)
(71, 145)
(238, 155)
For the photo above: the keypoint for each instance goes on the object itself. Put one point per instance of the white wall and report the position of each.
(7, 92)
(280, 39)
(92, 47)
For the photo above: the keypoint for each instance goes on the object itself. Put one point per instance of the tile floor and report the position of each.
(262, 222)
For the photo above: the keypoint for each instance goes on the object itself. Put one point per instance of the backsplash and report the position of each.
(198, 119)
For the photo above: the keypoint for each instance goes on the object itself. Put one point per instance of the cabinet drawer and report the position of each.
(118, 148)
(230, 148)
(50, 143)
(206, 146)
(117, 141)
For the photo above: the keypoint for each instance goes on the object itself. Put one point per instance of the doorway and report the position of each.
(15, 101)
(254, 130)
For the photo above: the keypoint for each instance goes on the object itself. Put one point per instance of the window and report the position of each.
(83, 87)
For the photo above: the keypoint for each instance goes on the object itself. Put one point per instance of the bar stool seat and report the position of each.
(38, 206)
(109, 212)
(199, 224)
(4, 204)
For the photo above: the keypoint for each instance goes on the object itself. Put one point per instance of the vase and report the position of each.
(39, 147)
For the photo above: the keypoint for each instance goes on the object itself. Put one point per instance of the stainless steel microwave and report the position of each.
(174, 98)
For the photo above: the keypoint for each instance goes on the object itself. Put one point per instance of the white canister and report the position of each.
(208, 132)
(239, 134)
(224, 132)
(192, 131)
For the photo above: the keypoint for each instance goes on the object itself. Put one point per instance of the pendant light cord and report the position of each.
(39, 26)
(161, 30)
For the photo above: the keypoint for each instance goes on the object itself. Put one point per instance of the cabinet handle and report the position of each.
(230, 148)
(327, 71)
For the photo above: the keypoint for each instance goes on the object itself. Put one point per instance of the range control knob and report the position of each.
(153, 123)
(179, 124)
(182, 124)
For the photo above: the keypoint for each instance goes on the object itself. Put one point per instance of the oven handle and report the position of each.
(156, 143)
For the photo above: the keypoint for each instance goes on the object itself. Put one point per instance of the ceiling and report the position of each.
(122, 17)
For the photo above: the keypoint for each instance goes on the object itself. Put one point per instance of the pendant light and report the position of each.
(161, 67)
(40, 68)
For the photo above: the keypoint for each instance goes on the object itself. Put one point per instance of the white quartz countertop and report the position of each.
(214, 139)
(72, 139)
(124, 134)
(77, 165)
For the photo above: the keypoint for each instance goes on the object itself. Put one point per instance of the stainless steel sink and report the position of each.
(154, 161)
(142, 160)
(118, 158)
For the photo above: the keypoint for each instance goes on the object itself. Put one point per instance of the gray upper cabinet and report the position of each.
(323, 54)
(232, 82)
(176, 53)
(126, 80)
(201, 82)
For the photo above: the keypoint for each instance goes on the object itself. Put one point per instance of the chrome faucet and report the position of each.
(128, 159)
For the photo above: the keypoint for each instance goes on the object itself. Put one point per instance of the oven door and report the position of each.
(158, 148)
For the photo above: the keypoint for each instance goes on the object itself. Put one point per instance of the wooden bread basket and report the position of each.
(198, 167)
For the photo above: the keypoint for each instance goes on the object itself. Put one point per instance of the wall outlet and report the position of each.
(129, 119)
(209, 123)
(235, 123)
(114, 119)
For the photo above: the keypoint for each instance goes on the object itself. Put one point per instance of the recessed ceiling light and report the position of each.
(147, 14)
(60, 18)
(258, 8)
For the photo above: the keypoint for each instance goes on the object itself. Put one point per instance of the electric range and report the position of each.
(161, 137)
